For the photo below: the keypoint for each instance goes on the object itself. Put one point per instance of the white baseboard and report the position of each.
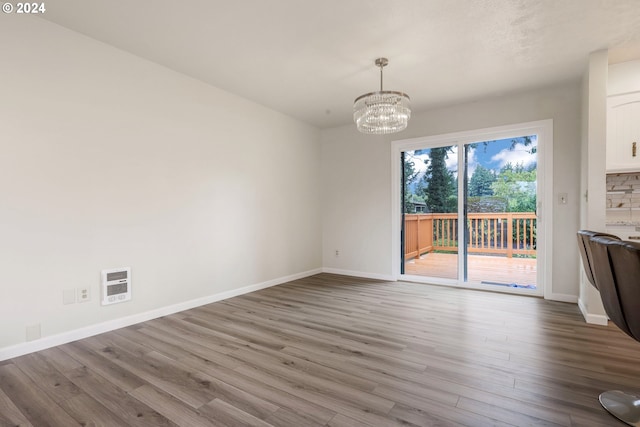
(359, 274)
(99, 328)
(594, 319)
(562, 298)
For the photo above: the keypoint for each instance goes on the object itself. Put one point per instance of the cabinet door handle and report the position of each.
(634, 237)
(633, 149)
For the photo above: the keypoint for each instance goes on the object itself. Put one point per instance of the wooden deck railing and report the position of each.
(505, 233)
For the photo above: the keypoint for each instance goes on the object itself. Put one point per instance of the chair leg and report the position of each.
(623, 406)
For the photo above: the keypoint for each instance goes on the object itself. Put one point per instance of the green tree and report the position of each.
(439, 186)
(480, 182)
(410, 175)
(517, 186)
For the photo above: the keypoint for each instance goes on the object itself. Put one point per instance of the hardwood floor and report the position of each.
(337, 351)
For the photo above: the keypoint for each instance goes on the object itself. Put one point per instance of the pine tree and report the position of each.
(410, 174)
(440, 190)
(480, 182)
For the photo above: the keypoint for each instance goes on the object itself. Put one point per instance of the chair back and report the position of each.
(625, 261)
(607, 258)
(585, 251)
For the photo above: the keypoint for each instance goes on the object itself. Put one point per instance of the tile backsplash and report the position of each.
(623, 198)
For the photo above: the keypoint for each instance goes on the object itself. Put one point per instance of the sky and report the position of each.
(493, 155)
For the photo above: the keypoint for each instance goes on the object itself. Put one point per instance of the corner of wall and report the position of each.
(591, 318)
(365, 275)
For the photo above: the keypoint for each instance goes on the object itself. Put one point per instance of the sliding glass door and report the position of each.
(469, 211)
(500, 212)
(430, 211)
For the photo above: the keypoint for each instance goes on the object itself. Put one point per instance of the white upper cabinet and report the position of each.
(623, 133)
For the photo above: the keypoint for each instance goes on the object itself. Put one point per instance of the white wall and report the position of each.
(108, 160)
(593, 175)
(356, 182)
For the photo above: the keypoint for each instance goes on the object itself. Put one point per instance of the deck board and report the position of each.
(481, 268)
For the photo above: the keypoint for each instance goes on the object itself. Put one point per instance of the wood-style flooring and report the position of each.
(336, 351)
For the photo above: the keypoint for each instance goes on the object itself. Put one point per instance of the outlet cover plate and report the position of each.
(84, 294)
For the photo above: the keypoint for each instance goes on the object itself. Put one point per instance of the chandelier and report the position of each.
(382, 112)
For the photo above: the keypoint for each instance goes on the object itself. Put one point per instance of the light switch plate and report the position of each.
(68, 296)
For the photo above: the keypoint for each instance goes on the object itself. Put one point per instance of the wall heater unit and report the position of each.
(116, 285)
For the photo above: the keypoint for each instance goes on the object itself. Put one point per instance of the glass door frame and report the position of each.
(544, 199)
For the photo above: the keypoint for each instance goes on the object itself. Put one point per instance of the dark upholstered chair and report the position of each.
(615, 268)
(585, 252)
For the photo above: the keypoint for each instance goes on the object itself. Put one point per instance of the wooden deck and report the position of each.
(481, 268)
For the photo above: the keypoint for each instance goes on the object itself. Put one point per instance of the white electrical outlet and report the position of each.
(84, 294)
(337, 253)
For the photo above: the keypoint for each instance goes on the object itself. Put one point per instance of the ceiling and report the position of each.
(311, 58)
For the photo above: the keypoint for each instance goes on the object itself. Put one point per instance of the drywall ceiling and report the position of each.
(311, 58)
